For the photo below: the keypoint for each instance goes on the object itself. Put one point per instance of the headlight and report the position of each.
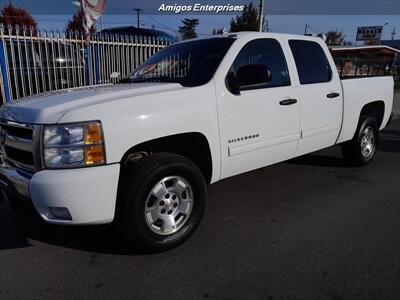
(73, 145)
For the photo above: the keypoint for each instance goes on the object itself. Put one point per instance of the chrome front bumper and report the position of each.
(14, 180)
(88, 195)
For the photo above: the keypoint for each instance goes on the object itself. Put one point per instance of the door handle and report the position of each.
(288, 102)
(333, 95)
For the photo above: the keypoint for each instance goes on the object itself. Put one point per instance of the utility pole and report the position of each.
(261, 16)
(393, 33)
(138, 10)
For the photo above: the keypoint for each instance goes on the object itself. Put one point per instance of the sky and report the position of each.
(290, 7)
(277, 23)
(319, 22)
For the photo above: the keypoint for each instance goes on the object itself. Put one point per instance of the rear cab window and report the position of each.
(311, 62)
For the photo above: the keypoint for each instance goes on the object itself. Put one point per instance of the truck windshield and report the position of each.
(191, 63)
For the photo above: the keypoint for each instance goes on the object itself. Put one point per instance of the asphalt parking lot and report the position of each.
(310, 228)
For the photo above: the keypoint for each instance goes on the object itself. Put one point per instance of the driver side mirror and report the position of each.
(248, 76)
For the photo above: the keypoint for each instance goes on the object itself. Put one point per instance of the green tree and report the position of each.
(76, 23)
(248, 21)
(13, 17)
(336, 38)
(188, 30)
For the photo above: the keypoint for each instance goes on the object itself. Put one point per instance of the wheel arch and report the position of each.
(193, 145)
(375, 109)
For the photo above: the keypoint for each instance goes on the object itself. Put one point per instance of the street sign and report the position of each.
(369, 33)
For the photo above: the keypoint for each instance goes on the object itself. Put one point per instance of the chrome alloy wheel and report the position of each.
(368, 142)
(169, 205)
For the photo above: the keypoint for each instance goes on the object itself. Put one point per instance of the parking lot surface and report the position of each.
(310, 228)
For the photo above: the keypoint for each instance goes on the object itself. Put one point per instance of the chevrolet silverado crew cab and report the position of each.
(139, 154)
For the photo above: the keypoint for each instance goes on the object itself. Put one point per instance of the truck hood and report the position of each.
(49, 107)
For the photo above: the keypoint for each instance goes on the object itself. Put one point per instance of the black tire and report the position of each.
(353, 151)
(137, 182)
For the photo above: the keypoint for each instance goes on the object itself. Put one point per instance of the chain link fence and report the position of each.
(33, 62)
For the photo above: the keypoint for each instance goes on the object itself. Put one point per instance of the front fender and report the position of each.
(133, 121)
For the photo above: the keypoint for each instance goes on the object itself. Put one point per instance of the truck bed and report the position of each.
(357, 93)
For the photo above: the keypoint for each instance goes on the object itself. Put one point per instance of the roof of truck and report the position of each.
(270, 34)
(244, 34)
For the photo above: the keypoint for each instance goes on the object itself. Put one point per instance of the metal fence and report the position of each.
(33, 62)
(364, 67)
(40, 61)
(356, 67)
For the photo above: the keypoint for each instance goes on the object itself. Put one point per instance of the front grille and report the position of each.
(18, 144)
(20, 132)
(18, 155)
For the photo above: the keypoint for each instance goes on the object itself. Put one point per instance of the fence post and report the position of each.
(96, 63)
(89, 64)
(5, 88)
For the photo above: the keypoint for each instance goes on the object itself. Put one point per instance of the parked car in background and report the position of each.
(47, 61)
(140, 32)
(37, 66)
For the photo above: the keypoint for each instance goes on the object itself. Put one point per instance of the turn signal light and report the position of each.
(93, 134)
(94, 155)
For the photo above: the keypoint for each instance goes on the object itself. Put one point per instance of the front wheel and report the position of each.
(362, 148)
(161, 202)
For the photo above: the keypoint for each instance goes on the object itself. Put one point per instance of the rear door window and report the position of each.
(311, 62)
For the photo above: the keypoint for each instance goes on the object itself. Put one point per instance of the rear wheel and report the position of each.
(161, 202)
(362, 148)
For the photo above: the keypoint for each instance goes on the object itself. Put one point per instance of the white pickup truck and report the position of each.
(141, 153)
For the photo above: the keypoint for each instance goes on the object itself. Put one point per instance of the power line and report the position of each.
(311, 28)
(159, 23)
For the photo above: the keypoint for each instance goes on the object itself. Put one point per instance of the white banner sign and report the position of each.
(369, 33)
